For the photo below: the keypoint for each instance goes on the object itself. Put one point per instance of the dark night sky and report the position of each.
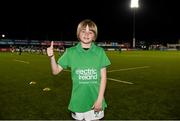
(156, 20)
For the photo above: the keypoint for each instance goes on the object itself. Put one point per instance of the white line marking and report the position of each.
(21, 61)
(126, 69)
(116, 80)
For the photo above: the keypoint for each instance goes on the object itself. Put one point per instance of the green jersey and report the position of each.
(86, 68)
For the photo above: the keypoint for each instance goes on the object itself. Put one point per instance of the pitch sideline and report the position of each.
(127, 69)
(21, 61)
(116, 80)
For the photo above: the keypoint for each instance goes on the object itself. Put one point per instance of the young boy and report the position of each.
(88, 64)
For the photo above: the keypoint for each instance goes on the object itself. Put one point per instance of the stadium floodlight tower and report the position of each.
(134, 6)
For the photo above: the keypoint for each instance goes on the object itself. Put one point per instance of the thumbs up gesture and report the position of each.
(50, 52)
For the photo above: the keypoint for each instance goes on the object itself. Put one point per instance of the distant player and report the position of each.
(61, 50)
(119, 49)
(12, 49)
(88, 64)
(20, 50)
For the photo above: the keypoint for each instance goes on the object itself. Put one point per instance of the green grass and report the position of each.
(154, 94)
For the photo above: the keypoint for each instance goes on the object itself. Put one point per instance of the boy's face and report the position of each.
(86, 36)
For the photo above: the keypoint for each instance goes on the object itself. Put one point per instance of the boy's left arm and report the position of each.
(98, 104)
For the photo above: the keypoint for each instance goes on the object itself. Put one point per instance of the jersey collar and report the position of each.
(80, 49)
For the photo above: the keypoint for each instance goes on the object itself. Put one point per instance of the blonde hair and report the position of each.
(92, 27)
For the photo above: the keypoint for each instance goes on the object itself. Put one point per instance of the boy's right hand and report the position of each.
(50, 52)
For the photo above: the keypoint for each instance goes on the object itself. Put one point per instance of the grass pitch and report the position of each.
(154, 93)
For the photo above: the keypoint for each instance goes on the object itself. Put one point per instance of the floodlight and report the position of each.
(3, 35)
(134, 3)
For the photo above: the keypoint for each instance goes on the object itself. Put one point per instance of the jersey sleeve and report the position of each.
(63, 61)
(104, 60)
